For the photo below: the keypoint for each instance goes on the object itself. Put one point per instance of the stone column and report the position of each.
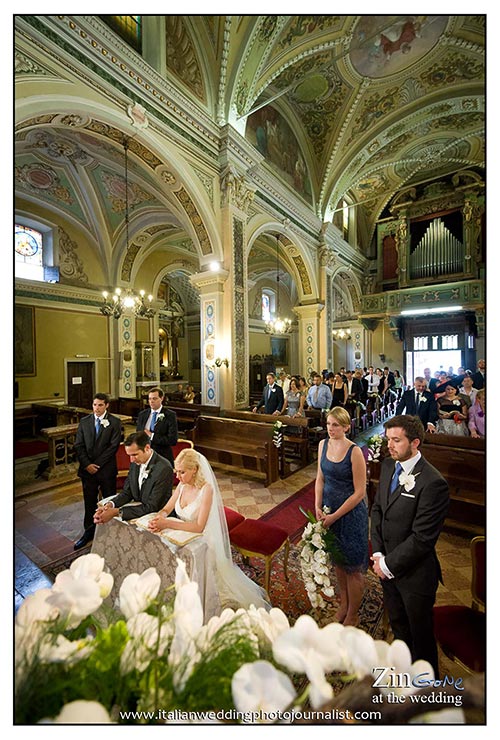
(309, 337)
(213, 335)
(124, 331)
(236, 196)
(327, 261)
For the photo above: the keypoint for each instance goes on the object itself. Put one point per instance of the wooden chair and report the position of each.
(461, 630)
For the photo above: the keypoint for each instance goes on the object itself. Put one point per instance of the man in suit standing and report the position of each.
(272, 397)
(148, 486)
(97, 440)
(406, 519)
(160, 424)
(418, 401)
(479, 376)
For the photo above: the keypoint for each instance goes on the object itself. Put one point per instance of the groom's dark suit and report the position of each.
(99, 450)
(405, 526)
(154, 492)
(165, 431)
(427, 410)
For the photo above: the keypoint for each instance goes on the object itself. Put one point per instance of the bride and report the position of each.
(198, 504)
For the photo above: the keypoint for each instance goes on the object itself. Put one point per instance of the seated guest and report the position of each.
(272, 397)
(319, 395)
(189, 394)
(418, 401)
(477, 418)
(160, 424)
(148, 485)
(452, 413)
(178, 395)
(198, 504)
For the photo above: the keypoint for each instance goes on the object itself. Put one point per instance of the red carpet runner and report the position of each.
(288, 515)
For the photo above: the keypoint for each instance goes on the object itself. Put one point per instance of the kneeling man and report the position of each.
(148, 486)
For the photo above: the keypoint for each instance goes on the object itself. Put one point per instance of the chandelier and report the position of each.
(341, 334)
(278, 325)
(128, 301)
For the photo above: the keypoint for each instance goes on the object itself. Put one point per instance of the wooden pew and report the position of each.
(296, 444)
(235, 444)
(187, 413)
(462, 461)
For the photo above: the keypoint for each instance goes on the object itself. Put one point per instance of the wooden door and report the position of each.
(81, 384)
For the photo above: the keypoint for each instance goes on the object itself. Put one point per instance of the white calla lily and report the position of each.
(36, 608)
(75, 599)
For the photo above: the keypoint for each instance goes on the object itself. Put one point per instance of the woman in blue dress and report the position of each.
(340, 502)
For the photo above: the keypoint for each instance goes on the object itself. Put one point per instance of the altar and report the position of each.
(128, 549)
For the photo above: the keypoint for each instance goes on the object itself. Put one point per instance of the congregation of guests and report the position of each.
(445, 401)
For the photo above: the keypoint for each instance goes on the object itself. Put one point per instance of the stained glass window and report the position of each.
(266, 309)
(28, 245)
(129, 27)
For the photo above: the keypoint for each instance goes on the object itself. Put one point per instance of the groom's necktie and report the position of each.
(395, 477)
(97, 426)
(153, 421)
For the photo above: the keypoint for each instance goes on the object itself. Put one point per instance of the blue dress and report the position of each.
(351, 530)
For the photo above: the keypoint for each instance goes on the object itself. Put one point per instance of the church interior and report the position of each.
(203, 199)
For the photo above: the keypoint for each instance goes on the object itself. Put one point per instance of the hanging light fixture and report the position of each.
(278, 325)
(128, 301)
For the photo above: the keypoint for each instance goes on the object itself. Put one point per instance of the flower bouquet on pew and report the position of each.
(318, 546)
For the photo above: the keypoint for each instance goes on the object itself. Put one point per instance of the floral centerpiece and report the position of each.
(317, 544)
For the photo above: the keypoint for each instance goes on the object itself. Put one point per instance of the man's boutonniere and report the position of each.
(423, 399)
(160, 417)
(105, 423)
(145, 475)
(407, 480)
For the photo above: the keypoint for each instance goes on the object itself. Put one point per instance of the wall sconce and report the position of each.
(219, 361)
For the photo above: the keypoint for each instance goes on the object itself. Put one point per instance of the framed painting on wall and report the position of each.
(279, 350)
(24, 341)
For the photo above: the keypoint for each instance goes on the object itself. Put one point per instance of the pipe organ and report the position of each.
(438, 252)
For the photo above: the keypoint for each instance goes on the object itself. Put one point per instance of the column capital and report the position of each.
(208, 281)
(310, 311)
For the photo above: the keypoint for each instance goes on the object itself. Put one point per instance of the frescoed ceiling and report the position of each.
(340, 107)
(376, 103)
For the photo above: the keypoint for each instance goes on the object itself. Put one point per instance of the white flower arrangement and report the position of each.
(374, 445)
(277, 433)
(314, 561)
(105, 423)
(160, 416)
(159, 660)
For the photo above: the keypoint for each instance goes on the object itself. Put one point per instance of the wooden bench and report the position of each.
(295, 444)
(234, 444)
(187, 413)
(462, 461)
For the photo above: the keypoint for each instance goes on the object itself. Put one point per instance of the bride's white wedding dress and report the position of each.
(235, 588)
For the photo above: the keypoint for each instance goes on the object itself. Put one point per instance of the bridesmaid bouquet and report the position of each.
(317, 545)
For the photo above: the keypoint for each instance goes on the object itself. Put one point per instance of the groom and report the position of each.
(406, 519)
(148, 486)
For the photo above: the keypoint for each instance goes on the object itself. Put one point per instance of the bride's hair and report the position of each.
(190, 459)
